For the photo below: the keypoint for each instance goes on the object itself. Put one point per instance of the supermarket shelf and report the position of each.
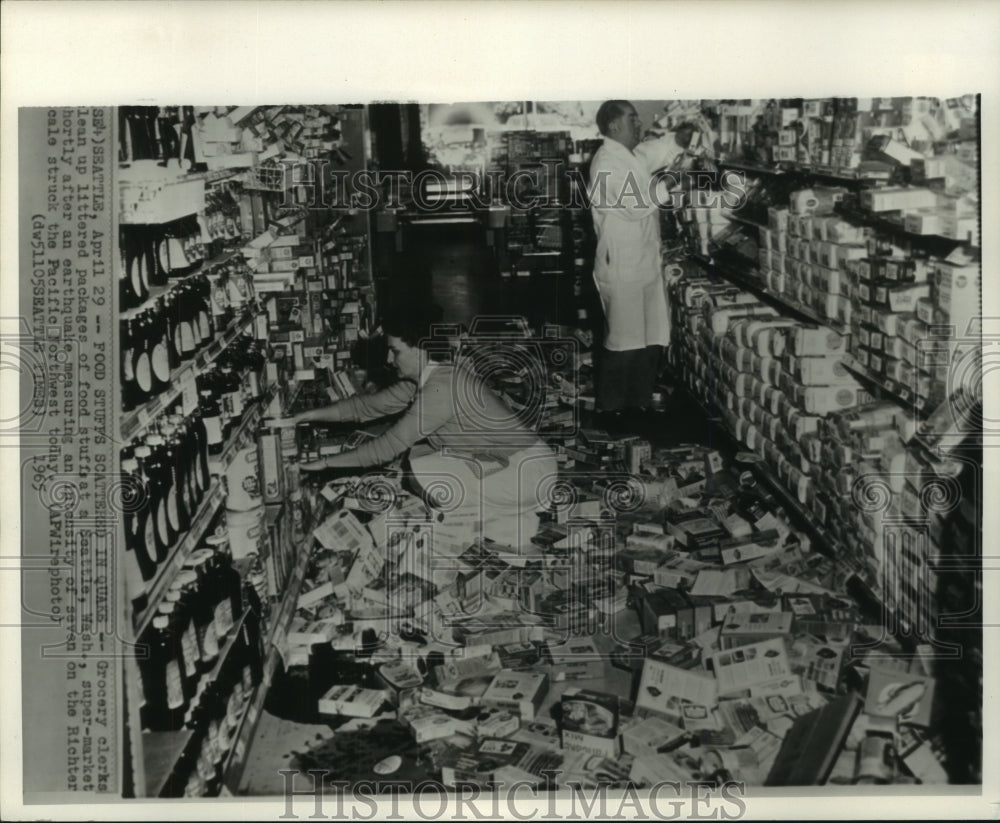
(753, 168)
(859, 215)
(825, 542)
(200, 523)
(236, 759)
(226, 649)
(788, 168)
(832, 172)
(943, 425)
(134, 423)
(887, 389)
(251, 417)
(155, 292)
(160, 751)
(130, 175)
(757, 286)
(744, 220)
(773, 483)
(133, 179)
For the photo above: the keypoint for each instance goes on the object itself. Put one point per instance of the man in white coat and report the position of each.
(627, 265)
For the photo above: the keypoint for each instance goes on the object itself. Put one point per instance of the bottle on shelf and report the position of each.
(159, 347)
(137, 134)
(174, 513)
(199, 435)
(232, 387)
(222, 309)
(191, 581)
(251, 662)
(175, 607)
(166, 127)
(140, 545)
(186, 322)
(227, 582)
(163, 676)
(211, 416)
(177, 460)
(201, 299)
(139, 350)
(169, 310)
(254, 358)
(185, 429)
(130, 388)
(186, 152)
(133, 273)
(157, 517)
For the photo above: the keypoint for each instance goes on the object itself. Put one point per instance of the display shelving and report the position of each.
(148, 195)
(203, 517)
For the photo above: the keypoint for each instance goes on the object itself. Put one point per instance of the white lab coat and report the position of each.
(627, 265)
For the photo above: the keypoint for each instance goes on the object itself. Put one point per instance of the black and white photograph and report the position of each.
(610, 439)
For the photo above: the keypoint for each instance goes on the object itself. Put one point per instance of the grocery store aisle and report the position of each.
(454, 266)
(458, 269)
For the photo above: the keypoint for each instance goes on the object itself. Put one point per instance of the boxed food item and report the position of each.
(497, 723)
(814, 341)
(352, 701)
(577, 659)
(901, 198)
(650, 735)
(518, 690)
(747, 628)
(429, 724)
(905, 696)
(664, 689)
(737, 670)
(590, 722)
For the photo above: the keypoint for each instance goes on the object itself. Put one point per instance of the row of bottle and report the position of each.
(172, 330)
(199, 771)
(184, 641)
(231, 384)
(150, 255)
(169, 477)
(153, 255)
(161, 133)
(157, 339)
(169, 467)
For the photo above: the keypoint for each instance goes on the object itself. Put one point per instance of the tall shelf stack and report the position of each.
(835, 328)
(244, 282)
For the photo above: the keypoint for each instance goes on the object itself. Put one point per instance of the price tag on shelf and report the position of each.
(129, 427)
(189, 395)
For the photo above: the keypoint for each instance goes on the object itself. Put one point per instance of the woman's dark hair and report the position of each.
(412, 321)
(611, 110)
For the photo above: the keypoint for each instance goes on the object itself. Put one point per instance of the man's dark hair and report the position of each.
(611, 110)
(683, 134)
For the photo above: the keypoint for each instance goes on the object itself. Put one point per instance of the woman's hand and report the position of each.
(305, 417)
(315, 465)
(343, 462)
